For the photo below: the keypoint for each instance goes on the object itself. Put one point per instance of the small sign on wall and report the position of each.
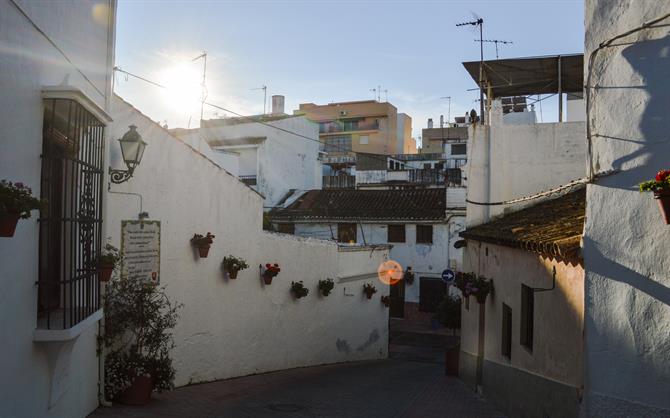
(141, 250)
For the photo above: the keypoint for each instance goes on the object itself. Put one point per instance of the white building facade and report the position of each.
(48, 362)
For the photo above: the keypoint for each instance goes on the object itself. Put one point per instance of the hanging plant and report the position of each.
(107, 262)
(408, 276)
(660, 185)
(203, 243)
(271, 271)
(326, 286)
(369, 290)
(16, 202)
(299, 289)
(386, 300)
(232, 265)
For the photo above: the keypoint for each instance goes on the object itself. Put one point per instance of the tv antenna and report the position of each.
(479, 22)
(449, 109)
(203, 86)
(377, 93)
(496, 41)
(265, 95)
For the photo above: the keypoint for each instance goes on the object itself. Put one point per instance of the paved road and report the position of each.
(384, 388)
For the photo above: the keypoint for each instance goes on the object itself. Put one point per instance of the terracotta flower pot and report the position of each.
(203, 250)
(663, 199)
(451, 361)
(139, 392)
(232, 274)
(267, 278)
(8, 223)
(105, 272)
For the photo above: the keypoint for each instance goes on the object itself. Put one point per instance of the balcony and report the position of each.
(339, 182)
(347, 126)
(248, 180)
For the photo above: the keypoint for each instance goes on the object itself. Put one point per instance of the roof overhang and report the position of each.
(532, 75)
(73, 93)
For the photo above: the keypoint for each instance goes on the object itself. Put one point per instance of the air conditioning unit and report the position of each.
(343, 113)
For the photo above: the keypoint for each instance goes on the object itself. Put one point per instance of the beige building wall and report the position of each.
(380, 140)
(555, 364)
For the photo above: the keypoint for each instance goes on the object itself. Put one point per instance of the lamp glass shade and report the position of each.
(132, 147)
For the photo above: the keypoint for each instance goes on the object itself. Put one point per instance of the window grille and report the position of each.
(424, 234)
(346, 233)
(338, 143)
(527, 316)
(70, 225)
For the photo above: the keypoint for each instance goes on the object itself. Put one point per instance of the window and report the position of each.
(453, 176)
(458, 149)
(346, 233)
(350, 125)
(337, 143)
(363, 139)
(506, 347)
(70, 236)
(286, 228)
(396, 233)
(424, 234)
(527, 316)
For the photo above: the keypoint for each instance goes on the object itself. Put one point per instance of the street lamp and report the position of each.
(132, 149)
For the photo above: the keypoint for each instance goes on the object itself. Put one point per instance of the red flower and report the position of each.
(662, 175)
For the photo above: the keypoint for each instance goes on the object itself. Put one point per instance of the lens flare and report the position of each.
(389, 272)
(183, 90)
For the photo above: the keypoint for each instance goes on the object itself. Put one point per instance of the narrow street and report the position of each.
(411, 383)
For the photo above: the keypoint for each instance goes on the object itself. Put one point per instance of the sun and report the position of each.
(183, 90)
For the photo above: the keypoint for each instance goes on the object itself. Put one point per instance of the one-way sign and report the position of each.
(448, 276)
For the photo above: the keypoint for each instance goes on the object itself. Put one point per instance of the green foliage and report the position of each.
(110, 256)
(299, 289)
(449, 312)
(660, 182)
(267, 225)
(473, 284)
(409, 275)
(232, 263)
(17, 199)
(386, 300)
(202, 240)
(326, 286)
(138, 320)
(369, 289)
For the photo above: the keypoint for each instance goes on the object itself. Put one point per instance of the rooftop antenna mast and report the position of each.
(479, 22)
(265, 95)
(203, 85)
(378, 93)
(496, 41)
(449, 108)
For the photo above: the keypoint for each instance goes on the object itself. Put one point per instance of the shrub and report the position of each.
(299, 289)
(326, 286)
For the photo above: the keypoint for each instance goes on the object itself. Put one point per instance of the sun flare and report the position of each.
(183, 89)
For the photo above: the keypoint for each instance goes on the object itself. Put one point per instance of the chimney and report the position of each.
(441, 121)
(277, 104)
(430, 123)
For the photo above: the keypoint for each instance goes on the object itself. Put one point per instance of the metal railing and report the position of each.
(249, 180)
(339, 182)
(339, 126)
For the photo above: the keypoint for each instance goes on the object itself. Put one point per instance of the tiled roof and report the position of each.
(553, 227)
(362, 205)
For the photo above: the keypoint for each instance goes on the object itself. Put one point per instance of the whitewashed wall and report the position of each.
(237, 327)
(283, 161)
(517, 160)
(625, 240)
(29, 62)
(426, 260)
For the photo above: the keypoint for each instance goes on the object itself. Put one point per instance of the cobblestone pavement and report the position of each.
(384, 388)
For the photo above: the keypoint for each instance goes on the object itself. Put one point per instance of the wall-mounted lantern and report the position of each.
(132, 148)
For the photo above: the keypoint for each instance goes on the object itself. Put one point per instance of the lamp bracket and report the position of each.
(120, 176)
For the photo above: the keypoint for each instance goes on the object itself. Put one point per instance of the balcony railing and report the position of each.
(352, 126)
(248, 180)
(339, 182)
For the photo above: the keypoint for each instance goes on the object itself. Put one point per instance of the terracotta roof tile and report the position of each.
(371, 205)
(553, 227)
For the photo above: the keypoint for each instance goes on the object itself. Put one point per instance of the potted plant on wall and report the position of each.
(203, 243)
(369, 290)
(232, 265)
(299, 289)
(479, 287)
(326, 286)
(107, 262)
(660, 185)
(138, 340)
(16, 202)
(386, 300)
(408, 275)
(271, 271)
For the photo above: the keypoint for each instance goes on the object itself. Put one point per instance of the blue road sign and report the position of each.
(448, 276)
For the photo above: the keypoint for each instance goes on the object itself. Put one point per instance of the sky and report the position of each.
(325, 51)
